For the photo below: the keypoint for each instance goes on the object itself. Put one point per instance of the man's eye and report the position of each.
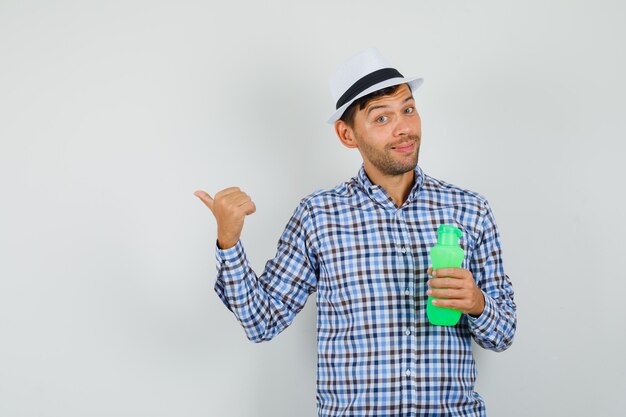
(381, 119)
(409, 110)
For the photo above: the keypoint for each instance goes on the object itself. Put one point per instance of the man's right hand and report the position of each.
(229, 206)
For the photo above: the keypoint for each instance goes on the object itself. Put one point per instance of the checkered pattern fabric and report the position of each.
(367, 261)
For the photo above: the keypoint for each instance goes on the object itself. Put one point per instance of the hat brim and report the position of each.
(413, 83)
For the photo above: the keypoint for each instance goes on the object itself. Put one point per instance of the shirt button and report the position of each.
(403, 249)
(408, 372)
(225, 261)
(407, 332)
(407, 292)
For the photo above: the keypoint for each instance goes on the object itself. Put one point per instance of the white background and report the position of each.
(113, 113)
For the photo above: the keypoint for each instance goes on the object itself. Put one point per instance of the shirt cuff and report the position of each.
(228, 255)
(229, 262)
(486, 321)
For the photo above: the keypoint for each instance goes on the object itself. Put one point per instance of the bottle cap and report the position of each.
(448, 235)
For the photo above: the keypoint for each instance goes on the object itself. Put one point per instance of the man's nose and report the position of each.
(402, 127)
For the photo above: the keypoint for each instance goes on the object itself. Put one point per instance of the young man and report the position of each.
(363, 246)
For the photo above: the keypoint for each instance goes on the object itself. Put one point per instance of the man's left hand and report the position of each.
(456, 288)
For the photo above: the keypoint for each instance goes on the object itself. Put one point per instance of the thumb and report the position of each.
(206, 198)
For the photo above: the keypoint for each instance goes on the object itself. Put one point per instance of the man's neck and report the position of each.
(397, 186)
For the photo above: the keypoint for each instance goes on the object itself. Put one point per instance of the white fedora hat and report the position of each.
(362, 74)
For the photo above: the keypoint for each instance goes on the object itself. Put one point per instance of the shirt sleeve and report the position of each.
(495, 327)
(266, 304)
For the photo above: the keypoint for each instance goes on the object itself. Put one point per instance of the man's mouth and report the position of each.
(404, 147)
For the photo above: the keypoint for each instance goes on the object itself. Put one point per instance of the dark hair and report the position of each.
(350, 113)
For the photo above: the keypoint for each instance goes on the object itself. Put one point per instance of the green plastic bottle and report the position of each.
(447, 253)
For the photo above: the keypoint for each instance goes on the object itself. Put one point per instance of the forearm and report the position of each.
(239, 288)
(495, 328)
(264, 305)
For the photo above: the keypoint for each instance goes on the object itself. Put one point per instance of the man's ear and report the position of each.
(345, 134)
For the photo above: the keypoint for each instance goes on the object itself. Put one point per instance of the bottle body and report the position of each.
(444, 256)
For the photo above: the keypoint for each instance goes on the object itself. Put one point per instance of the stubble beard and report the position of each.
(385, 161)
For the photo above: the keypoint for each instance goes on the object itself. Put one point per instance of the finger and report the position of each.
(237, 199)
(241, 201)
(450, 272)
(205, 197)
(447, 293)
(249, 207)
(447, 282)
(429, 271)
(452, 303)
(226, 191)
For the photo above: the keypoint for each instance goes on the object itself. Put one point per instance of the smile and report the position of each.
(405, 148)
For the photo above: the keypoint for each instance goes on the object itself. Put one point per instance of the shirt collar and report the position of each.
(377, 192)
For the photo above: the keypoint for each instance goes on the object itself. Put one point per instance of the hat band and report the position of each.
(366, 82)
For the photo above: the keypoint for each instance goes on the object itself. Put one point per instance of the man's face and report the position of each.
(388, 133)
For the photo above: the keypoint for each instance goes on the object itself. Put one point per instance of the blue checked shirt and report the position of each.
(367, 260)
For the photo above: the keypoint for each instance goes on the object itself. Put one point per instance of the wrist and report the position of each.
(226, 240)
(226, 244)
(480, 307)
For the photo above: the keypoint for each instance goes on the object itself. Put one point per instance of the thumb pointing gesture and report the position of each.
(230, 207)
(206, 198)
